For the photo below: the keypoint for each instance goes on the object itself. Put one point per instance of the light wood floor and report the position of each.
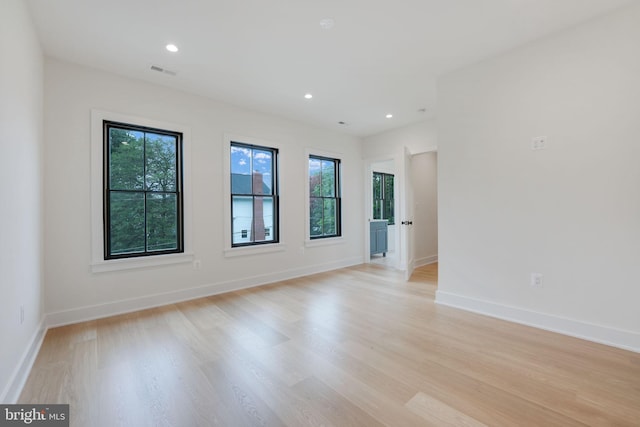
(354, 347)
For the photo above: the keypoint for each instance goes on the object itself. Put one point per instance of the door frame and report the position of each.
(407, 211)
(397, 203)
(368, 203)
(397, 156)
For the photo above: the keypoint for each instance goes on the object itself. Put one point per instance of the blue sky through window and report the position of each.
(245, 161)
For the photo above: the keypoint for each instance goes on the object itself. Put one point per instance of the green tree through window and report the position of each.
(143, 191)
(324, 197)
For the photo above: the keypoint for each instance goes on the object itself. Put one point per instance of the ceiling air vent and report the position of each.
(163, 70)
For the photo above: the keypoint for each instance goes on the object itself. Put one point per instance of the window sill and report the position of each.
(140, 262)
(254, 250)
(327, 241)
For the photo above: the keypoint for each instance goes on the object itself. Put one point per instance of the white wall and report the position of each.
(570, 212)
(73, 293)
(21, 193)
(424, 174)
(418, 137)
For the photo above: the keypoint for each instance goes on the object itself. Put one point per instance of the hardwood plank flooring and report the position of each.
(352, 347)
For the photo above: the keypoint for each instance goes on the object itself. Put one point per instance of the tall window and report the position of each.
(143, 208)
(383, 197)
(254, 194)
(324, 197)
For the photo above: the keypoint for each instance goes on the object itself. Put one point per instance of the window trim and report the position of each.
(108, 124)
(273, 195)
(339, 237)
(255, 248)
(98, 264)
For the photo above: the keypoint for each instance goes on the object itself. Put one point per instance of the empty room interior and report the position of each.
(337, 213)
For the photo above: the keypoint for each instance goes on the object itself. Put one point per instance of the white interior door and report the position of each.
(405, 219)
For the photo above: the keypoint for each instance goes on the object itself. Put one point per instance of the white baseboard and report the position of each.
(98, 311)
(426, 260)
(11, 393)
(626, 340)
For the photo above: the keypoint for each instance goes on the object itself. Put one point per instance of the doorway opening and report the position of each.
(382, 226)
(424, 175)
(414, 202)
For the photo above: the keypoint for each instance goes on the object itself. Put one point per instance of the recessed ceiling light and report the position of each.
(388, 116)
(172, 48)
(327, 23)
(308, 96)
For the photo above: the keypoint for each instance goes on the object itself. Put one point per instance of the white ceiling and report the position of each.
(380, 57)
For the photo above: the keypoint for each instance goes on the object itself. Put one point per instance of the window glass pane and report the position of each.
(263, 219)
(328, 178)
(126, 223)
(315, 177)
(388, 187)
(126, 159)
(143, 191)
(388, 198)
(324, 191)
(269, 218)
(262, 171)
(162, 222)
(316, 209)
(253, 171)
(388, 211)
(377, 209)
(241, 170)
(377, 186)
(242, 212)
(329, 217)
(160, 153)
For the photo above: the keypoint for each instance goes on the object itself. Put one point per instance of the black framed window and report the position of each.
(143, 204)
(254, 195)
(324, 197)
(383, 197)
